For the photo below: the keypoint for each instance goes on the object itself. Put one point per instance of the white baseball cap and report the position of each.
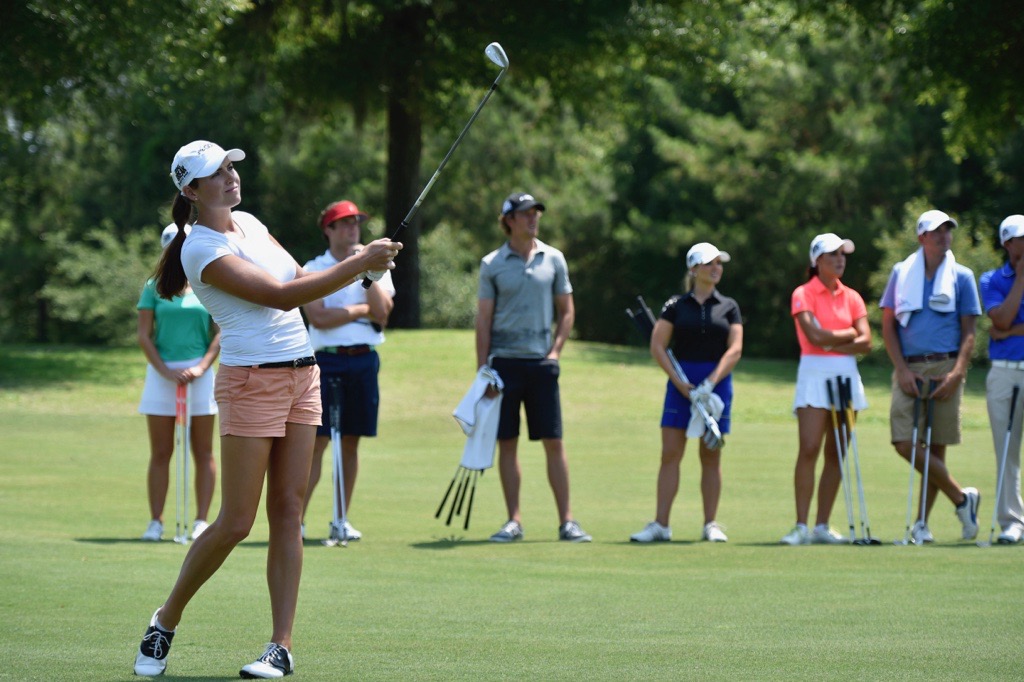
(931, 220)
(1012, 226)
(200, 159)
(827, 243)
(703, 253)
(167, 236)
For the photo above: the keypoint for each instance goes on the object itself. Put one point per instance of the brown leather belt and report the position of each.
(362, 349)
(931, 357)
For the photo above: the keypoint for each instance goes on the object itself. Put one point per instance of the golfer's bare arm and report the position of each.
(823, 338)
(484, 320)
(894, 349)
(322, 317)
(565, 316)
(248, 282)
(861, 343)
(733, 351)
(661, 337)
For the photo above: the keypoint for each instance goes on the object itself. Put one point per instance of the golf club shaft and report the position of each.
(839, 453)
(930, 413)
(847, 398)
(1002, 463)
(433, 178)
(913, 459)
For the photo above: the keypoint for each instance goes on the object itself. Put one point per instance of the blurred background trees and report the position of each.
(643, 126)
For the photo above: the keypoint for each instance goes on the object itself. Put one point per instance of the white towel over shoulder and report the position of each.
(910, 286)
(478, 417)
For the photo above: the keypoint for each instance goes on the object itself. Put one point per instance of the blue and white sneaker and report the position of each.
(570, 531)
(967, 512)
(156, 644)
(274, 663)
(510, 532)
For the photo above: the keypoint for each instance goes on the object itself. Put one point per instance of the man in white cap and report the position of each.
(1001, 292)
(929, 311)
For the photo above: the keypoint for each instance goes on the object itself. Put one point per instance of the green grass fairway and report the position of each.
(418, 600)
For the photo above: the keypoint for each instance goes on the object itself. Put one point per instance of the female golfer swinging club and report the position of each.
(267, 389)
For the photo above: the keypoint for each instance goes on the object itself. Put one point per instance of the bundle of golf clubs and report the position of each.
(1002, 468)
(182, 436)
(927, 454)
(463, 482)
(496, 54)
(841, 403)
(644, 320)
(338, 528)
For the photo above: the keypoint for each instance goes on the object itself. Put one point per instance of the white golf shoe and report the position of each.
(920, 534)
(798, 536)
(1012, 535)
(154, 532)
(510, 532)
(275, 662)
(652, 532)
(198, 528)
(713, 532)
(967, 512)
(151, 658)
(823, 535)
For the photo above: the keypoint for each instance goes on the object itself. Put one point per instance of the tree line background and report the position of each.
(643, 126)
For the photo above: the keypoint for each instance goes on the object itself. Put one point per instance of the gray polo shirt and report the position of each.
(524, 298)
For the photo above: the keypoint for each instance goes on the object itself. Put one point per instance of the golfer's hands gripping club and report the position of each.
(377, 258)
(702, 394)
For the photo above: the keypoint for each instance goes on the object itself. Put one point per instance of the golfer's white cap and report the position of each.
(1012, 226)
(200, 159)
(931, 220)
(827, 243)
(703, 253)
(167, 236)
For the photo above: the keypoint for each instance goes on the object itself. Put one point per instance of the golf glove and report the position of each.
(702, 391)
(372, 275)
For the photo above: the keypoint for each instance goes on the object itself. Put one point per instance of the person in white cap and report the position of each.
(345, 329)
(181, 343)
(705, 330)
(929, 311)
(1001, 292)
(832, 328)
(267, 388)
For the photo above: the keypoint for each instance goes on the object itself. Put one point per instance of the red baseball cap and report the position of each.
(339, 210)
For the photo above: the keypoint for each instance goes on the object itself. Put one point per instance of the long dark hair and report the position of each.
(812, 272)
(170, 274)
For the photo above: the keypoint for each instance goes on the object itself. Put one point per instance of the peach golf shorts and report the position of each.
(258, 403)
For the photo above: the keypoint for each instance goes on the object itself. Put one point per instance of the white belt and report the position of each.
(1009, 364)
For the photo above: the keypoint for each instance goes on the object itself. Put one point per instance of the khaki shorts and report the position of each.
(946, 417)
(258, 403)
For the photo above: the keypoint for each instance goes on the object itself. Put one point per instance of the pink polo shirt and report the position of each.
(834, 310)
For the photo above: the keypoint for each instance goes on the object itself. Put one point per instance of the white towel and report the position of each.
(910, 286)
(478, 417)
(715, 407)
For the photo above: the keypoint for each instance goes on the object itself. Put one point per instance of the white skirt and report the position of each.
(158, 393)
(815, 370)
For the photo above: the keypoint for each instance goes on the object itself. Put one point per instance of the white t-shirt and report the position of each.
(354, 333)
(251, 334)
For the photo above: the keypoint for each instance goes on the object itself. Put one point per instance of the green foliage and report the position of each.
(96, 284)
(449, 279)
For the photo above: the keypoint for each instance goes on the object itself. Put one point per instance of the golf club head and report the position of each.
(984, 543)
(496, 54)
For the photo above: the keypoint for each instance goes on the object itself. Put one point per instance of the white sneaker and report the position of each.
(967, 512)
(351, 532)
(713, 532)
(652, 532)
(920, 534)
(1011, 536)
(823, 535)
(798, 536)
(198, 528)
(151, 658)
(510, 532)
(302, 530)
(154, 532)
(274, 663)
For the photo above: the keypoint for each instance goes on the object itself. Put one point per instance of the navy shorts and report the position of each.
(676, 411)
(355, 377)
(532, 383)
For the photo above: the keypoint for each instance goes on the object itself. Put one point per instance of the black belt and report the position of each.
(931, 357)
(362, 349)
(308, 361)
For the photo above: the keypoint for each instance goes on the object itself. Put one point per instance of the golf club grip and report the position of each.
(1013, 405)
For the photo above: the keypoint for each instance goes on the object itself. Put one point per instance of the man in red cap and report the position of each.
(345, 328)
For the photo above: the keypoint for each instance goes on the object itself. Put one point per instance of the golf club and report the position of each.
(644, 321)
(913, 462)
(496, 54)
(1002, 468)
(181, 484)
(840, 447)
(846, 401)
(930, 413)
(338, 530)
